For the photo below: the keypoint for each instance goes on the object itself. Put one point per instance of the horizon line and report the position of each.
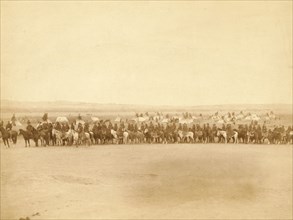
(140, 104)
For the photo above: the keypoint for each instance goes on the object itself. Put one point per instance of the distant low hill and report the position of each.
(8, 106)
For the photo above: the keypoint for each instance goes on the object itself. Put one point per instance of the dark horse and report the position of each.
(13, 136)
(44, 135)
(34, 135)
(242, 134)
(6, 135)
(97, 134)
(106, 136)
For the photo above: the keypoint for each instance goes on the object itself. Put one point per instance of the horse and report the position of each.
(276, 136)
(155, 137)
(234, 136)
(198, 135)
(161, 136)
(170, 136)
(222, 134)
(186, 136)
(139, 136)
(242, 134)
(45, 136)
(284, 138)
(119, 136)
(75, 137)
(206, 135)
(84, 137)
(227, 137)
(5, 136)
(135, 136)
(97, 134)
(69, 137)
(57, 136)
(125, 137)
(131, 137)
(106, 136)
(115, 136)
(34, 135)
(148, 135)
(258, 136)
(252, 136)
(212, 135)
(265, 137)
(289, 137)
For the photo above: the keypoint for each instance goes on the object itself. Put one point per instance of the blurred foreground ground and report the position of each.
(198, 181)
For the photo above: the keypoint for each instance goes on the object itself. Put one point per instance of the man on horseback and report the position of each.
(72, 126)
(29, 128)
(224, 127)
(79, 128)
(39, 126)
(57, 126)
(9, 126)
(135, 129)
(13, 120)
(208, 133)
(45, 125)
(7, 134)
(151, 127)
(115, 128)
(86, 127)
(45, 117)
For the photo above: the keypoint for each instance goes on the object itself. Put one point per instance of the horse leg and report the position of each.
(5, 142)
(192, 139)
(54, 141)
(48, 140)
(15, 139)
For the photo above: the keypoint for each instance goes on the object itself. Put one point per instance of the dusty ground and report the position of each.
(213, 181)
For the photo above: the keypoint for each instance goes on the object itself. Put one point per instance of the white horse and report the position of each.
(86, 137)
(58, 136)
(186, 135)
(115, 136)
(71, 136)
(125, 137)
(223, 134)
(80, 138)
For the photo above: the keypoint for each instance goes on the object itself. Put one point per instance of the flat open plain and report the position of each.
(174, 181)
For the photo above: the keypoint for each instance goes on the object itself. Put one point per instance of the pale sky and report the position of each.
(169, 53)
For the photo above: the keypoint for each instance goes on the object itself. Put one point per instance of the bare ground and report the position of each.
(198, 181)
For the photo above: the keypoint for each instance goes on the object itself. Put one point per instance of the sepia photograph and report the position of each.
(146, 110)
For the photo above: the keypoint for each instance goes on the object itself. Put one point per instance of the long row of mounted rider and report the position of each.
(105, 133)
